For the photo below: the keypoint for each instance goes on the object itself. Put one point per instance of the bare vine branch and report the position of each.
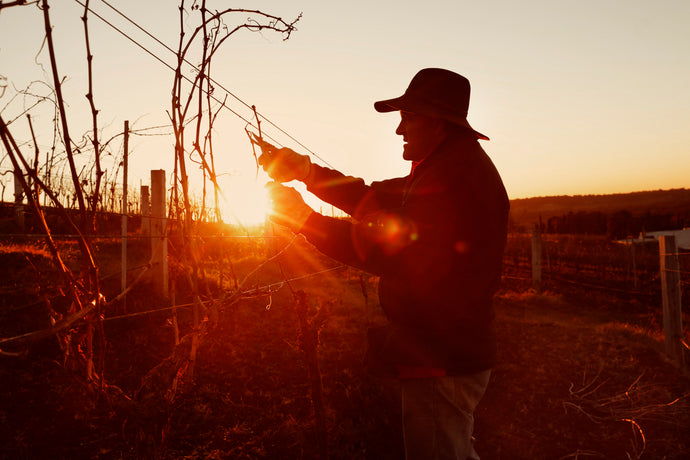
(62, 112)
(15, 3)
(95, 194)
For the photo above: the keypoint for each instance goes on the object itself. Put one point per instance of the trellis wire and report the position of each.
(260, 291)
(159, 59)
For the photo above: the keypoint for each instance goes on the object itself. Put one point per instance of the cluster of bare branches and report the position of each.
(638, 403)
(194, 104)
(58, 166)
(82, 289)
(194, 110)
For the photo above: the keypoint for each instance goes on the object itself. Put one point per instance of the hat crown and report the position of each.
(442, 88)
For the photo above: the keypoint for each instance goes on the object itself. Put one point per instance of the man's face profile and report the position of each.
(421, 134)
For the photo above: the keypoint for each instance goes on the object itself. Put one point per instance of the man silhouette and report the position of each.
(435, 238)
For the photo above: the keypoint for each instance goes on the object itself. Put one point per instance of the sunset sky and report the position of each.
(578, 97)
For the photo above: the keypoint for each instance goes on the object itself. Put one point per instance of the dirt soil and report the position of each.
(574, 380)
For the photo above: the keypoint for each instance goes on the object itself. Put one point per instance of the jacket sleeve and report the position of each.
(351, 194)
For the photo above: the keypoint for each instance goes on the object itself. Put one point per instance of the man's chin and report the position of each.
(407, 154)
(411, 154)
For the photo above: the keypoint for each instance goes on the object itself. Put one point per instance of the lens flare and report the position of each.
(389, 231)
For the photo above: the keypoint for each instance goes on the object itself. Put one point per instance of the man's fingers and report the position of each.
(268, 156)
(282, 195)
(272, 186)
(276, 191)
(265, 146)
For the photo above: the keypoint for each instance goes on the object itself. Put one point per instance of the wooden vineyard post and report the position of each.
(536, 258)
(159, 239)
(670, 294)
(145, 211)
(18, 200)
(634, 265)
(124, 216)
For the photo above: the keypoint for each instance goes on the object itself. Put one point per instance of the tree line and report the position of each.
(615, 225)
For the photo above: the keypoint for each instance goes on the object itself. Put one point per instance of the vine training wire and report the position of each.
(264, 290)
(159, 59)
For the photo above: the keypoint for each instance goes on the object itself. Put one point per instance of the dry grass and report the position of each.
(582, 386)
(572, 381)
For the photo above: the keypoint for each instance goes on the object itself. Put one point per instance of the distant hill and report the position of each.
(525, 212)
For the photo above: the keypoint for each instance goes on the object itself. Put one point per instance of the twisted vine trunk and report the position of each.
(309, 343)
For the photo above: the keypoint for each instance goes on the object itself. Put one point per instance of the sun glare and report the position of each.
(245, 203)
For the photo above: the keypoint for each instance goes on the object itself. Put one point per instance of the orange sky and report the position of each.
(579, 97)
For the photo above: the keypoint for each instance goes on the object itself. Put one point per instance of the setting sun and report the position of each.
(245, 202)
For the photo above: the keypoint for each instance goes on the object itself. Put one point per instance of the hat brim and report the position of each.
(388, 105)
(415, 106)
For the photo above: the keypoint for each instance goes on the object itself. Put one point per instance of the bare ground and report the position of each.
(583, 379)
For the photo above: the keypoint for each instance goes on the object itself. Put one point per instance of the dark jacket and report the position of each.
(436, 239)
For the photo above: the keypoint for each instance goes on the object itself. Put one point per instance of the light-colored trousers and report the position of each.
(437, 415)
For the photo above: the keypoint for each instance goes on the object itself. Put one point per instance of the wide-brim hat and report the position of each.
(435, 93)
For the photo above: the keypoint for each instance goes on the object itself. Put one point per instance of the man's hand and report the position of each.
(289, 209)
(283, 164)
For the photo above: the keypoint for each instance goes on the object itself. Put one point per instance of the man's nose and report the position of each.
(400, 130)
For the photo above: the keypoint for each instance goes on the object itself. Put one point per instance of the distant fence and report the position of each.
(654, 273)
(585, 260)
